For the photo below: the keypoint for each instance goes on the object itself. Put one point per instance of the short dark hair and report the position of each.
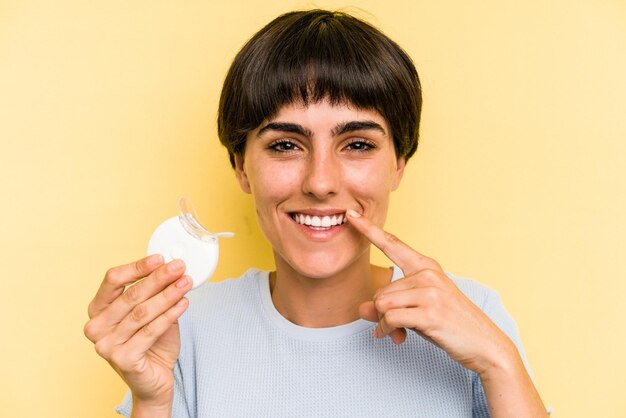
(310, 55)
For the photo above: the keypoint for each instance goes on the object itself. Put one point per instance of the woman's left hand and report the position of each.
(429, 303)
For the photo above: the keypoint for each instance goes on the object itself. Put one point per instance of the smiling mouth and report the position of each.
(319, 223)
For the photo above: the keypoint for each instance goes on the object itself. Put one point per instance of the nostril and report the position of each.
(322, 180)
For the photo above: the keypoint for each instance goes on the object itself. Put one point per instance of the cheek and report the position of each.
(375, 180)
(271, 184)
(372, 187)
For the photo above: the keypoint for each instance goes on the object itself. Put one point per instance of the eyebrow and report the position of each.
(357, 125)
(340, 129)
(286, 127)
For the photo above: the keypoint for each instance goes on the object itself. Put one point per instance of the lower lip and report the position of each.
(318, 235)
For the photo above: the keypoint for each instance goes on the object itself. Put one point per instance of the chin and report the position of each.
(321, 264)
(316, 271)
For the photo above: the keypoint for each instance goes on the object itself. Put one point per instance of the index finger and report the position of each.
(117, 278)
(405, 257)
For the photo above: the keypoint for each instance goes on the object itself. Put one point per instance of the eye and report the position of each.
(283, 145)
(360, 145)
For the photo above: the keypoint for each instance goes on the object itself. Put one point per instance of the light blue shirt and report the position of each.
(241, 358)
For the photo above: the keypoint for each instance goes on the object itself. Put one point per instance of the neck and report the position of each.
(329, 301)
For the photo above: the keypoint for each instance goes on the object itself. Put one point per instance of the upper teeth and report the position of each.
(318, 221)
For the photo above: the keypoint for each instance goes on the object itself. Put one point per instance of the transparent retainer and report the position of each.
(190, 223)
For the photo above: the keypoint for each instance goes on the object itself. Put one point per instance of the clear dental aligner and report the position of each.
(183, 237)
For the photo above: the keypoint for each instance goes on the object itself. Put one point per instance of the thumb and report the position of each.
(368, 311)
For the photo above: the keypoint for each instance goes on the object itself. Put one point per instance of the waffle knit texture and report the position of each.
(241, 358)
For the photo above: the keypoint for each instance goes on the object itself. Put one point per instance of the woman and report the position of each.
(320, 113)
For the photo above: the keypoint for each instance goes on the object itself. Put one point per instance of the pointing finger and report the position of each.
(409, 260)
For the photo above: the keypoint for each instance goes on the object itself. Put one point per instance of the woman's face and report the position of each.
(308, 164)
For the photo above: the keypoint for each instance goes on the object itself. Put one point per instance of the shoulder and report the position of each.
(478, 293)
(228, 285)
(481, 295)
(489, 301)
(224, 297)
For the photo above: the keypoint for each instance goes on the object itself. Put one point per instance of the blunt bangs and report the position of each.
(308, 56)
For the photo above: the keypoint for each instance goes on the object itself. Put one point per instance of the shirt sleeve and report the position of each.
(180, 408)
(480, 409)
(495, 310)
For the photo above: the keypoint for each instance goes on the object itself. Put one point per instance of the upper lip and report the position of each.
(319, 212)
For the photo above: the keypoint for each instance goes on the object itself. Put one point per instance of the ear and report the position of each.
(240, 170)
(401, 163)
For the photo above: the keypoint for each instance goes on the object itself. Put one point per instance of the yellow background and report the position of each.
(107, 116)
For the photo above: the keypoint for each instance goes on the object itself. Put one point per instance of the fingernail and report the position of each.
(175, 265)
(182, 282)
(353, 213)
(181, 303)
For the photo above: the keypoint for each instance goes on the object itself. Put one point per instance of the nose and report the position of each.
(322, 177)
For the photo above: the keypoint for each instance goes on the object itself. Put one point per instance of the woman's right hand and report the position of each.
(135, 328)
